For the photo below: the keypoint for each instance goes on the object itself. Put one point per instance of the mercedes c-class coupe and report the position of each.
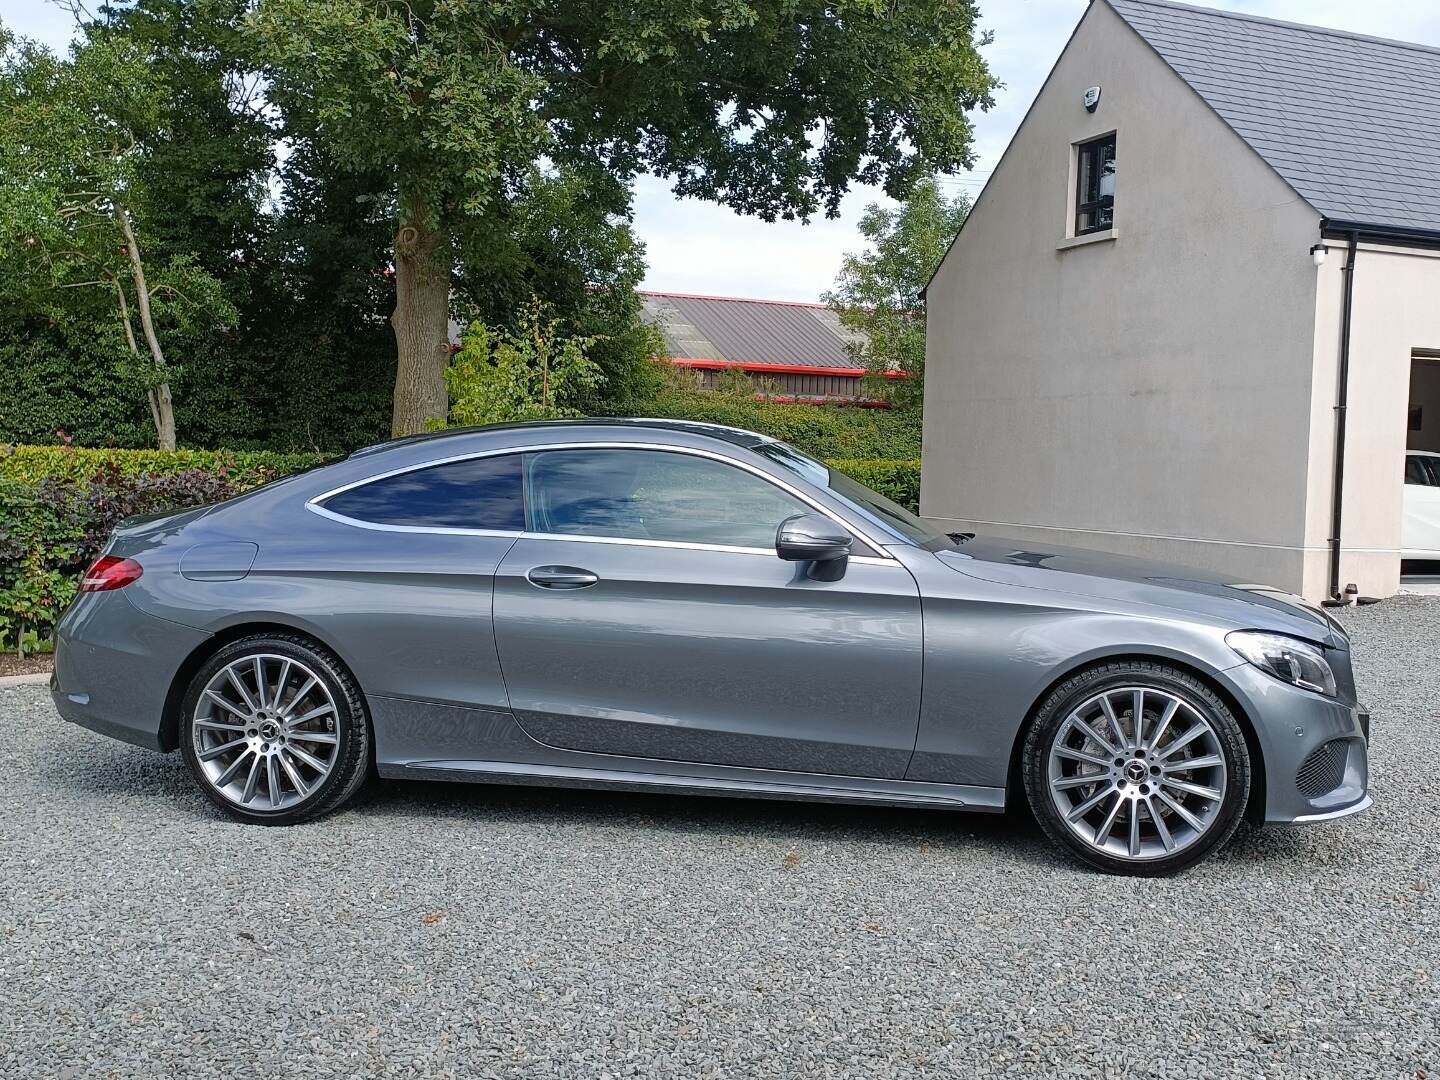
(647, 604)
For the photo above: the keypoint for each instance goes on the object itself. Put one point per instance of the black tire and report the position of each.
(351, 765)
(1072, 694)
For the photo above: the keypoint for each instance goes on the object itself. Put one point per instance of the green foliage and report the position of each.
(897, 480)
(467, 118)
(309, 360)
(40, 537)
(877, 291)
(519, 128)
(531, 373)
(823, 431)
(771, 109)
(58, 506)
(75, 134)
(33, 464)
(55, 378)
(734, 382)
(563, 238)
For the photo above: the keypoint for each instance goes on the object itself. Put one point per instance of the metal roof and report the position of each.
(758, 333)
(1351, 122)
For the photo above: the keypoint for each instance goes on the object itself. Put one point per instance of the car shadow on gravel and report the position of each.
(678, 814)
(137, 776)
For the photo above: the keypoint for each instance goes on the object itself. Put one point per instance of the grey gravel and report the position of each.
(462, 930)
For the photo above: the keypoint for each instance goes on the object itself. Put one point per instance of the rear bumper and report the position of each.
(114, 666)
(1291, 726)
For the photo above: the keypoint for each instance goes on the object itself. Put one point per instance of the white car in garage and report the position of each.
(1420, 525)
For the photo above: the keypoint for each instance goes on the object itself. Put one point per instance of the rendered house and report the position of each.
(1195, 314)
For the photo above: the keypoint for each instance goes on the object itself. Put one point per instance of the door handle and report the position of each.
(561, 577)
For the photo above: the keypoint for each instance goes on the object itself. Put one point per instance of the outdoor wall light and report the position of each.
(1317, 255)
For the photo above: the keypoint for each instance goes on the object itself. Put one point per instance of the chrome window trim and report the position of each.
(687, 545)
(377, 526)
(314, 504)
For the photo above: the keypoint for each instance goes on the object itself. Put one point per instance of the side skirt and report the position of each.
(808, 787)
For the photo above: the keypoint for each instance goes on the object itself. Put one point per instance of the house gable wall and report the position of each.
(1148, 394)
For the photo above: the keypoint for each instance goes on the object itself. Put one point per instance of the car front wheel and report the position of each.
(1137, 768)
(274, 729)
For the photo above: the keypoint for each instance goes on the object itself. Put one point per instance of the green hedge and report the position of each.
(897, 480)
(58, 505)
(246, 468)
(822, 431)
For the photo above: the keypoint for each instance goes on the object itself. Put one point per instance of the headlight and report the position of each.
(1289, 660)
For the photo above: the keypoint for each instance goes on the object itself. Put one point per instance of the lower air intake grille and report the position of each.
(1323, 770)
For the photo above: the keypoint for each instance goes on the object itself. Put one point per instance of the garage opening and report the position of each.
(1420, 524)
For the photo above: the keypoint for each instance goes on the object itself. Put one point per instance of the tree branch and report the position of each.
(142, 290)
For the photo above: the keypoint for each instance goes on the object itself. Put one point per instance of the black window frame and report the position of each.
(1084, 205)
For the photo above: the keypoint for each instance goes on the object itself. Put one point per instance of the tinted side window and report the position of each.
(654, 495)
(480, 493)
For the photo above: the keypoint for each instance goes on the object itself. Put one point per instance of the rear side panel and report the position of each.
(409, 613)
(114, 666)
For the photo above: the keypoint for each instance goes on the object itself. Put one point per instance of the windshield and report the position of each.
(875, 507)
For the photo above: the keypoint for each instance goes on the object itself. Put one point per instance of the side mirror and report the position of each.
(816, 539)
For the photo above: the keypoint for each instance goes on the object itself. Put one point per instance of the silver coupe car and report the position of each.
(650, 604)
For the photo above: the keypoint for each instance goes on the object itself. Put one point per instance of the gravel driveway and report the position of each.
(450, 929)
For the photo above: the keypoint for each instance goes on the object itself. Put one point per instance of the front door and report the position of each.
(645, 614)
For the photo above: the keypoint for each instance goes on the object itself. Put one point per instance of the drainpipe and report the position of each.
(1342, 401)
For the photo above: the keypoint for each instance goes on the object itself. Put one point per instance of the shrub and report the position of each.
(40, 542)
(532, 373)
(246, 468)
(897, 480)
(58, 506)
(822, 431)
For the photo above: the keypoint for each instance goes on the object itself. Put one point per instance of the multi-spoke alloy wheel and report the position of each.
(265, 729)
(1137, 774)
(273, 729)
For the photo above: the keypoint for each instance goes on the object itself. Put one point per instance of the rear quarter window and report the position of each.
(476, 493)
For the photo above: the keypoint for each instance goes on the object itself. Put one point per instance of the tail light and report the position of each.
(110, 572)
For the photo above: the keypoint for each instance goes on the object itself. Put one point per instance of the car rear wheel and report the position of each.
(1137, 768)
(274, 730)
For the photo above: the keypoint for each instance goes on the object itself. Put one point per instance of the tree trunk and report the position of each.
(157, 397)
(161, 409)
(421, 320)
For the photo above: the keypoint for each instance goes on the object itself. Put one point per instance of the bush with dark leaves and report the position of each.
(52, 530)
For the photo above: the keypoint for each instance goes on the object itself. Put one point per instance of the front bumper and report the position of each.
(114, 666)
(1295, 728)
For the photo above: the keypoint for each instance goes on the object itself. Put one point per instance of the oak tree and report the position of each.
(453, 105)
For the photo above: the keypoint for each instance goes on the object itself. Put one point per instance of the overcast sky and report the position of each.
(698, 247)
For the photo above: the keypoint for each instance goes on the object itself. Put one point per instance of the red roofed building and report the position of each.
(799, 350)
